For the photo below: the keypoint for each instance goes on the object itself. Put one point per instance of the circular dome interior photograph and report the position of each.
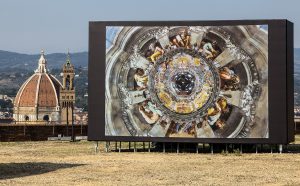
(187, 81)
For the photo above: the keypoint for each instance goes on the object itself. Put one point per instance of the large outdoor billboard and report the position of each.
(189, 81)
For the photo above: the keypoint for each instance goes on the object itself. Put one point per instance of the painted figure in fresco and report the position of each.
(186, 39)
(229, 80)
(157, 51)
(208, 50)
(141, 79)
(149, 116)
(214, 113)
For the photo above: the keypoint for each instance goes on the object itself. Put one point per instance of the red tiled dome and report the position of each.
(41, 89)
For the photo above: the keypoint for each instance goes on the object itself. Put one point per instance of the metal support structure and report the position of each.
(241, 151)
(129, 145)
(149, 146)
(67, 122)
(271, 149)
(73, 134)
(134, 143)
(228, 147)
(280, 148)
(96, 146)
(106, 146)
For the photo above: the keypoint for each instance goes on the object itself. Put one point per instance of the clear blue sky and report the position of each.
(27, 26)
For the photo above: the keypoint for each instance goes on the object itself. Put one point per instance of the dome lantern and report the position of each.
(42, 68)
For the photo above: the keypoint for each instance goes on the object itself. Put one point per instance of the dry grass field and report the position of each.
(65, 163)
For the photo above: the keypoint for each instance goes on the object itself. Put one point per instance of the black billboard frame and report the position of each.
(280, 94)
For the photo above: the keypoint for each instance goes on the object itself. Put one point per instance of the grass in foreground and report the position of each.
(64, 163)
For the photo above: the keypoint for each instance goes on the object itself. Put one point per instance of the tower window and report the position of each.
(68, 82)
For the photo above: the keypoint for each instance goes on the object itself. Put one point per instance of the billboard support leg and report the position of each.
(129, 145)
(203, 147)
(134, 146)
(149, 146)
(177, 148)
(255, 148)
(271, 149)
(164, 147)
(143, 146)
(116, 144)
(241, 151)
(106, 146)
(226, 149)
(197, 148)
(120, 146)
(211, 148)
(96, 146)
(280, 148)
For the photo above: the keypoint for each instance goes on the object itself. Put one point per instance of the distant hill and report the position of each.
(13, 60)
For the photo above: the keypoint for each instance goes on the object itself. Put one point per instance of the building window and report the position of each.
(68, 82)
(46, 118)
